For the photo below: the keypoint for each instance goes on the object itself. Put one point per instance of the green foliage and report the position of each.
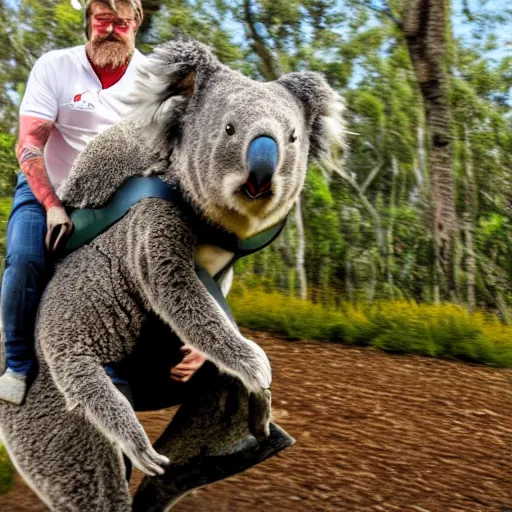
(8, 164)
(444, 330)
(368, 228)
(5, 210)
(178, 17)
(6, 471)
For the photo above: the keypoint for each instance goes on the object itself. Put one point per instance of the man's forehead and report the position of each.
(123, 9)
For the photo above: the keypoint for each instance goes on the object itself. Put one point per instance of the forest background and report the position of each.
(414, 221)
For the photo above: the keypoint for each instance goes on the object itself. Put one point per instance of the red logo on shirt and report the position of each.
(80, 103)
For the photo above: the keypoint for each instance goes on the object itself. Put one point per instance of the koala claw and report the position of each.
(254, 367)
(148, 460)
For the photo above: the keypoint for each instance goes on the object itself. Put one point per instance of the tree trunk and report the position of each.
(422, 157)
(469, 222)
(389, 232)
(424, 29)
(373, 280)
(284, 244)
(301, 250)
(349, 285)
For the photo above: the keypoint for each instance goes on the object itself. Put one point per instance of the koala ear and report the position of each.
(170, 75)
(324, 109)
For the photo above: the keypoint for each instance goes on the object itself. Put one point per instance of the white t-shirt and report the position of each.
(63, 88)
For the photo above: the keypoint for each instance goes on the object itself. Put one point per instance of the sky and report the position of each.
(463, 29)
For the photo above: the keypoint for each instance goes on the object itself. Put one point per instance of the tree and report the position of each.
(425, 24)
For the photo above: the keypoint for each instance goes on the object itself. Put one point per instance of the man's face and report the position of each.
(112, 35)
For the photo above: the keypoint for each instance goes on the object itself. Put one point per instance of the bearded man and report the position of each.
(71, 95)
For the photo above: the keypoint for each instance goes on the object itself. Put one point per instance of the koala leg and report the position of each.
(219, 430)
(66, 461)
(86, 387)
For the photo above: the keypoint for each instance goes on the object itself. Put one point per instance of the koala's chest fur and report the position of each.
(212, 259)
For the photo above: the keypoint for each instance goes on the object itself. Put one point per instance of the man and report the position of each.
(71, 96)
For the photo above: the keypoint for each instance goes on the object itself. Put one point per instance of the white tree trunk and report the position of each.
(389, 232)
(301, 250)
(422, 175)
(469, 218)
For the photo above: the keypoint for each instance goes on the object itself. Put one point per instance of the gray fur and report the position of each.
(94, 308)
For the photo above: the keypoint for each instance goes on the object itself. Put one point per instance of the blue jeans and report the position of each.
(27, 271)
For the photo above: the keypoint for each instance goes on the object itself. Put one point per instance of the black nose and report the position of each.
(262, 159)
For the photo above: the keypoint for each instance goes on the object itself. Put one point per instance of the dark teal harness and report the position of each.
(91, 222)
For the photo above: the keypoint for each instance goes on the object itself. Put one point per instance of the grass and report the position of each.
(446, 330)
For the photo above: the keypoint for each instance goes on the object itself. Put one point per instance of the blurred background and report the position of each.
(420, 206)
(406, 243)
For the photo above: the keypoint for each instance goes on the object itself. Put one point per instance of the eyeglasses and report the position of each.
(104, 20)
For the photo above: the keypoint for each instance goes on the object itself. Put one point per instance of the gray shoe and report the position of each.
(13, 387)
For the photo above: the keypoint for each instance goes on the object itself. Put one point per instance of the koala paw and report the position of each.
(260, 405)
(144, 457)
(253, 367)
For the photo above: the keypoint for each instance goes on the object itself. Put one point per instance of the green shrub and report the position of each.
(5, 210)
(445, 330)
(6, 471)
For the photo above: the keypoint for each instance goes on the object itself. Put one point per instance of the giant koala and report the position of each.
(208, 131)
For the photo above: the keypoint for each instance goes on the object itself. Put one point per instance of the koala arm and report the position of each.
(161, 256)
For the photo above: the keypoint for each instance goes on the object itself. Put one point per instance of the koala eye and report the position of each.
(293, 137)
(230, 129)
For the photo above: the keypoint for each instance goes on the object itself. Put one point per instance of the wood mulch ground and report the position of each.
(374, 432)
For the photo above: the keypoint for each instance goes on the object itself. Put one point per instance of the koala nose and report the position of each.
(262, 158)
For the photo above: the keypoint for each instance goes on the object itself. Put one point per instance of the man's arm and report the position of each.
(33, 135)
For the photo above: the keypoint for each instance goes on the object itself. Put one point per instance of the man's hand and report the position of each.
(59, 228)
(192, 361)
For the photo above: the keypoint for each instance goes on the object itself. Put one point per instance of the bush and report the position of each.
(6, 471)
(445, 330)
(5, 210)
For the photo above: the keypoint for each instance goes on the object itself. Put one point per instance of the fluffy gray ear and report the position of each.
(170, 75)
(324, 110)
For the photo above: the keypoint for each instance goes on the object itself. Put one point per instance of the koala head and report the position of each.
(238, 147)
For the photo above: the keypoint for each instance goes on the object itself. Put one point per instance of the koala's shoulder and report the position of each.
(162, 222)
(110, 158)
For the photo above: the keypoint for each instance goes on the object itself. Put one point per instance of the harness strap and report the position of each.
(213, 288)
(91, 222)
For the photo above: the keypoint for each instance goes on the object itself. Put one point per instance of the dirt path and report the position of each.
(374, 433)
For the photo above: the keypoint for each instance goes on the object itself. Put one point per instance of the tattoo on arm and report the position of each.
(34, 133)
(29, 152)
